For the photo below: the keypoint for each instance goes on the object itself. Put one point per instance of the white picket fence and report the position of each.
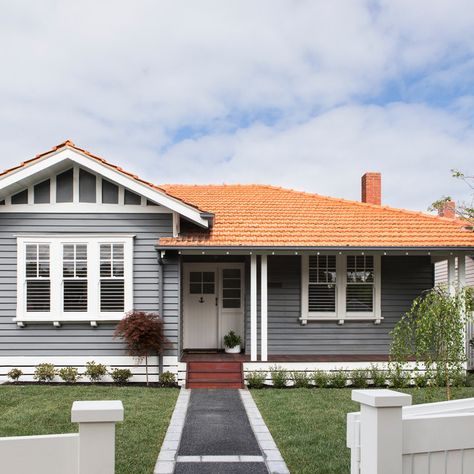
(389, 437)
(91, 451)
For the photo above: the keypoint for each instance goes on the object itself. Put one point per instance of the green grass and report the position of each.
(35, 410)
(309, 425)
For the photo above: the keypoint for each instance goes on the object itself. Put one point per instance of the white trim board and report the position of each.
(51, 161)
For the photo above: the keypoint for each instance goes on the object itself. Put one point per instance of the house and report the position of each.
(307, 281)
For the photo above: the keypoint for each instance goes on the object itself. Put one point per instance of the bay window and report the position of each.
(340, 287)
(74, 278)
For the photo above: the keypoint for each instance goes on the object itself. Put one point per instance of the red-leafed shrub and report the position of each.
(144, 334)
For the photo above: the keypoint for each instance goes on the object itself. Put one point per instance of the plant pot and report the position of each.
(233, 350)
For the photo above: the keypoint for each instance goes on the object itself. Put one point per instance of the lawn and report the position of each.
(34, 410)
(309, 425)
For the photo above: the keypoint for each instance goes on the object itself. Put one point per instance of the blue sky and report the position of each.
(302, 94)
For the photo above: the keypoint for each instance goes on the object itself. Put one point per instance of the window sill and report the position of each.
(340, 321)
(60, 319)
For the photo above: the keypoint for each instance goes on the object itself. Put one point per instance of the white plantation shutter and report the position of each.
(75, 277)
(112, 280)
(360, 284)
(322, 284)
(38, 283)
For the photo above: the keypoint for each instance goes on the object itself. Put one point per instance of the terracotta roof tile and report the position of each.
(260, 215)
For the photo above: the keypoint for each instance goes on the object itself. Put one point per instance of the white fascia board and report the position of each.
(109, 173)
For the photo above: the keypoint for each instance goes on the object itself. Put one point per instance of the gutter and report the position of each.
(310, 249)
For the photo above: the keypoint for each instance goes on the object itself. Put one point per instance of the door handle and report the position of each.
(201, 300)
(216, 300)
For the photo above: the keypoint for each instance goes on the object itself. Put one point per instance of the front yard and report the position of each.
(35, 410)
(309, 425)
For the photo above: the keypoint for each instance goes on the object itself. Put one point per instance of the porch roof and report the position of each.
(260, 216)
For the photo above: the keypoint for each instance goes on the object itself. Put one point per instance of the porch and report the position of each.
(297, 307)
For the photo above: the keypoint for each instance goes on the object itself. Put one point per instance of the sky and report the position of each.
(302, 94)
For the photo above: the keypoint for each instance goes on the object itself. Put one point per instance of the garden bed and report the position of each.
(46, 409)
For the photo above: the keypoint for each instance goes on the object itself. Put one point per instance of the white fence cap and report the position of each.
(381, 398)
(97, 411)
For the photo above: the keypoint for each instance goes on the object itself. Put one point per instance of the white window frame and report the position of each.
(341, 315)
(56, 242)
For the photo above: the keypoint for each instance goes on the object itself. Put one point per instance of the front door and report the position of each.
(200, 306)
(213, 303)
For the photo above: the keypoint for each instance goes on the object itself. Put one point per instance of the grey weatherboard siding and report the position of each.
(403, 279)
(80, 339)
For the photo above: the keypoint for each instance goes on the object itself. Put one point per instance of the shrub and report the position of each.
(15, 374)
(300, 379)
(421, 379)
(69, 374)
(338, 379)
(168, 379)
(279, 376)
(321, 379)
(44, 372)
(256, 379)
(398, 378)
(120, 376)
(94, 371)
(144, 334)
(232, 340)
(359, 378)
(377, 376)
(459, 379)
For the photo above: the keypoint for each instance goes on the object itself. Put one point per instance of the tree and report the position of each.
(464, 210)
(144, 334)
(433, 331)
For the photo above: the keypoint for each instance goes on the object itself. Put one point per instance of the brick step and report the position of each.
(218, 370)
(229, 385)
(211, 366)
(216, 376)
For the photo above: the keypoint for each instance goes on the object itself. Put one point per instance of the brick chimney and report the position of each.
(372, 188)
(448, 210)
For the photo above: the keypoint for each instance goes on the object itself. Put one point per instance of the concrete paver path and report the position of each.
(218, 431)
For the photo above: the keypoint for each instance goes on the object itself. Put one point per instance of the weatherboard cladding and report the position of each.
(80, 338)
(403, 279)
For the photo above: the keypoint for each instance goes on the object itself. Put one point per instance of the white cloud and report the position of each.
(278, 91)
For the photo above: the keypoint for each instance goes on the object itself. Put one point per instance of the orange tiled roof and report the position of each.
(258, 215)
(268, 216)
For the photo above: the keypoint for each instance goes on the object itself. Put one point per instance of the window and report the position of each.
(112, 280)
(69, 278)
(37, 276)
(360, 284)
(340, 287)
(322, 284)
(202, 283)
(75, 277)
(231, 288)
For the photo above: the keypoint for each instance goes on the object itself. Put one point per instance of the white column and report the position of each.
(462, 271)
(253, 308)
(264, 309)
(381, 430)
(97, 434)
(451, 275)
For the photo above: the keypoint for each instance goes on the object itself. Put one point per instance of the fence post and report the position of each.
(97, 434)
(381, 434)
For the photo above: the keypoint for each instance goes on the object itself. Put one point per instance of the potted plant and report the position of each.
(232, 343)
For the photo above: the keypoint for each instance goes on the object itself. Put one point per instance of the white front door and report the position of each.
(213, 303)
(200, 306)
